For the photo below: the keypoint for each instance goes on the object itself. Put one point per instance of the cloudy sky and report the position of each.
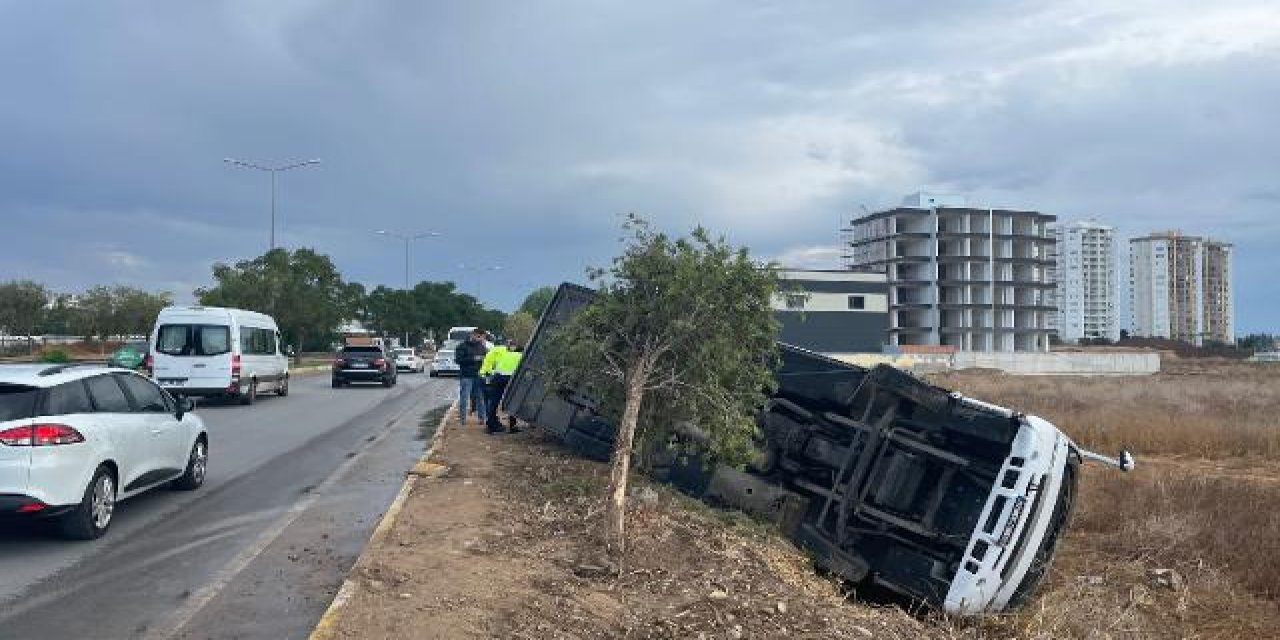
(521, 131)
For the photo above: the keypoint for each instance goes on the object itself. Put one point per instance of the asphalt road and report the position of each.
(295, 487)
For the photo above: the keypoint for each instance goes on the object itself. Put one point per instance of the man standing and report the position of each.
(470, 356)
(502, 366)
(487, 374)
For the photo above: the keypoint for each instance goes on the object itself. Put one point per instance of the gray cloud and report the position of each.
(523, 130)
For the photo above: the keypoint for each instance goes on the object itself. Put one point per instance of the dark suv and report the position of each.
(363, 364)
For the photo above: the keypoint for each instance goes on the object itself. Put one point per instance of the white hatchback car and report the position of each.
(75, 439)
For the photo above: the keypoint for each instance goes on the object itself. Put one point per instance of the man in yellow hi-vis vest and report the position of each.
(499, 365)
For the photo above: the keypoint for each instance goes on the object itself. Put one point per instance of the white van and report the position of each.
(212, 351)
(460, 333)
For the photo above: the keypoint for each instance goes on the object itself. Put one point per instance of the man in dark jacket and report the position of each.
(470, 356)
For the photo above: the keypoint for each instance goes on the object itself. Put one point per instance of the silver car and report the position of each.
(443, 363)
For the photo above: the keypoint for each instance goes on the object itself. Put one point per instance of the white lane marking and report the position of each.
(201, 598)
(29, 603)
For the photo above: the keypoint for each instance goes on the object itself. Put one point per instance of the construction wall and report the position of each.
(1070, 363)
(1066, 363)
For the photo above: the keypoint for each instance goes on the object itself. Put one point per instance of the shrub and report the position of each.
(55, 356)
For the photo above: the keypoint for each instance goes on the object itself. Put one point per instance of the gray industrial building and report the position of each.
(835, 311)
(974, 278)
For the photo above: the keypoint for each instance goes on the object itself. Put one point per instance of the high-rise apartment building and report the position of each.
(1180, 288)
(1084, 273)
(972, 278)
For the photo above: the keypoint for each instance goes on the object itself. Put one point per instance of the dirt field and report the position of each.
(504, 545)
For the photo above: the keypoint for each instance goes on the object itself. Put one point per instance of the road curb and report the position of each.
(324, 629)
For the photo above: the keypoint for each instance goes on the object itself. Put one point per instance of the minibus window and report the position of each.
(193, 340)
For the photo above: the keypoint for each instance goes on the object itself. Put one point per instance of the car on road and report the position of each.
(358, 363)
(408, 360)
(77, 439)
(130, 355)
(218, 352)
(444, 363)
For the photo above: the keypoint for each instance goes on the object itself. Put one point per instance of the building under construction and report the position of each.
(973, 278)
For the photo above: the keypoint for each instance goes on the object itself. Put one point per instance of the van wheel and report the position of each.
(250, 396)
(283, 389)
(90, 519)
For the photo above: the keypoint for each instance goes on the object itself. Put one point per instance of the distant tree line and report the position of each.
(307, 295)
(1259, 342)
(303, 290)
(29, 309)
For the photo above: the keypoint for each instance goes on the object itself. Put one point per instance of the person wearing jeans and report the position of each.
(470, 356)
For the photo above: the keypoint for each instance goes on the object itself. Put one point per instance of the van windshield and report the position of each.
(193, 339)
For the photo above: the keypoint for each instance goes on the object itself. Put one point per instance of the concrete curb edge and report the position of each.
(324, 628)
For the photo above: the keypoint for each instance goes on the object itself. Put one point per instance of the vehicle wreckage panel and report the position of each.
(881, 476)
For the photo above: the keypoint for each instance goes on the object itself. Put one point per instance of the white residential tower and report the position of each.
(1085, 279)
(1180, 288)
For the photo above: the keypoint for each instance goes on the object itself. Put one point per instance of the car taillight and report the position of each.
(40, 435)
(379, 362)
(16, 437)
(338, 363)
(235, 366)
(148, 362)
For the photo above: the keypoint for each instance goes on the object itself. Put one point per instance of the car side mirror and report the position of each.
(185, 405)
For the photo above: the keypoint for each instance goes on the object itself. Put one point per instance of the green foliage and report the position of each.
(104, 312)
(22, 306)
(55, 356)
(1257, 342)
(61, 318)
(428, 308)
(301, 289)
(689, 322)
(536, 302)
(519, 327)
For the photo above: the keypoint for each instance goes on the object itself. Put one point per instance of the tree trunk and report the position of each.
(616, 513)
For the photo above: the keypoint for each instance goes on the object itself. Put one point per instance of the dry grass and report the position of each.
(1218, 535)
(1220, 412)
(1206, 505)
(1204, 501)
(1172, 518)
(689, 571)
(692, 571)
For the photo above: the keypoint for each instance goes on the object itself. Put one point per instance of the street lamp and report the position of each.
(476, 268)
(407, 239)
(273, 171)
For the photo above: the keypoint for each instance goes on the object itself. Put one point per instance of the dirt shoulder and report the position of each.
(501, 546)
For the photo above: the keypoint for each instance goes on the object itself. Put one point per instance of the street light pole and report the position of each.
(273, 171)
(407, 240)
(476, 269)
